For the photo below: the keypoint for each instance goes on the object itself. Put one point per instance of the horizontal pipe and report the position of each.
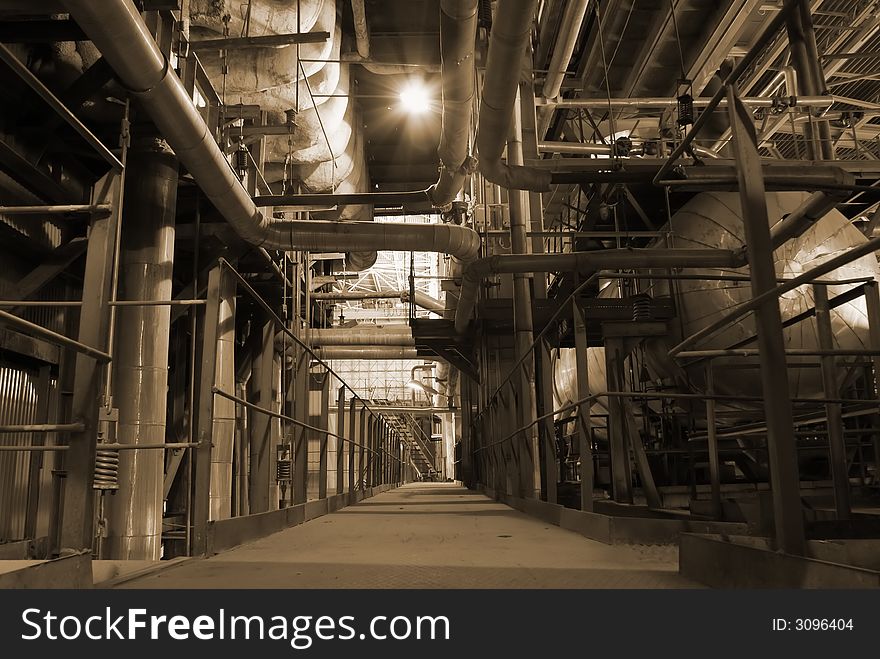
(414, 409)
(53, 337)
(754, 352)
(592, 148)
(360, 336)
(34, 448)
(356, 295)
(116, 303)
(367, 352)
(43, 427)
(424, 301)
(583, 262)
(659, 103)
(138, 447)
(68, 209)
(264, 41)
(330, 199)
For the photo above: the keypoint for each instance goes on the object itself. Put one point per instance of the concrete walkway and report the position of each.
(426, 535)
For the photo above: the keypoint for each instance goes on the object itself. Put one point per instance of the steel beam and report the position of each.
(788, 516)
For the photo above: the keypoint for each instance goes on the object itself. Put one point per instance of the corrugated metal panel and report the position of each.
(46, 233)
(18, 404)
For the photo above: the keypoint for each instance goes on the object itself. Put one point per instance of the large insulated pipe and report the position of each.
(583, 262)
(511, 26)
(371, 335)
(223, 428)
(134, 514)
(424, 301)
(367, 352)
(572, 20)
(361, 28)
(119, 32)
(458, 31)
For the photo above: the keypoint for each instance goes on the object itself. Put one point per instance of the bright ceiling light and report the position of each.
(414, 98)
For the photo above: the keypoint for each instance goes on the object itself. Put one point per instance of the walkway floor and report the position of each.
(426, 535)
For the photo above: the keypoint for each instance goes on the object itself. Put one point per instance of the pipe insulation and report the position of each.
(124, 40)
(458, 31)
(511, 26)
(572, 20)
(223, 428)
(363, 335)
(134, 514)
(367, 352)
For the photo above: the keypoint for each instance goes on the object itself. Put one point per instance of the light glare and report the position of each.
(414, 98)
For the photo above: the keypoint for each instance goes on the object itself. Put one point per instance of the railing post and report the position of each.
(340, 443)
(583, 411)
(834, 418)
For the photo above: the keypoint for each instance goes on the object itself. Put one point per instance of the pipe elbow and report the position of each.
(515, 177)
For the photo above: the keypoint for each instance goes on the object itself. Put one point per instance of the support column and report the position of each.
(300, 393)
(834, 418)
(712, 439)
(363, 438)
(223, 433)
(618, 432)
(134, 514)
(584, 430)
(75, 496)
(872, 304)
(355, 437)
(324, 439)
(340, 444)
(261, 447)
(784, 479)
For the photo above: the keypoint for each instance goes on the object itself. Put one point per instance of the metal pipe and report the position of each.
(223, 429)
(118, 31)
(817, 205)
(661, 103)
(69, 209)
(458, 30)
(43, 427)
(140, 380)
(425, 301)
(507, 44)
(363, 335)
(357, 295)
(583, 262)
(361, 28)
(572, 20)
(581, 148)
(367, 353)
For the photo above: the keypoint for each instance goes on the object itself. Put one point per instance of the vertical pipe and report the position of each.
(355, 436)
(301, 437)
(784, 479)
(223, 433)
(324, 439)
(134, 514)
(522, 315)
(834, 422)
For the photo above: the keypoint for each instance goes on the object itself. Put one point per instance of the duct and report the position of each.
(367, 352)
(572, 19)
(361, 28)
(223, 428)
(458, 29)
(507, 44)
(363, 335)
(134, 514)
(124, 40)
(583, 262)
(424, 301)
